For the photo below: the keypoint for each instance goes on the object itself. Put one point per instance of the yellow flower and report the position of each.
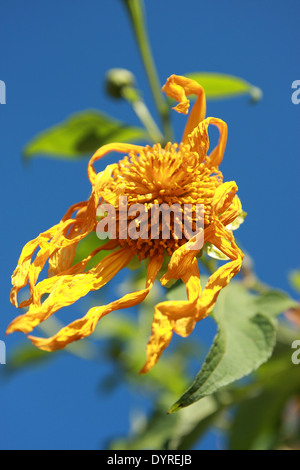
(181, 174)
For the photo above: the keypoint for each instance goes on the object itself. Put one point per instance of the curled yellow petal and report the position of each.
(233, 212)
(224, 241)
(181, 317)
(223, 197)
(161, 336)
(85, 326)
(63, 256)
(104, 150)
(173, 316)
(182, 259)
(21, 273)
(66, 289)
(216, 156)
(58, 244)
(178, 88)
(198, 139)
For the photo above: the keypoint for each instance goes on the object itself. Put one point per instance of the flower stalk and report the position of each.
(133, 97)
(136, 13)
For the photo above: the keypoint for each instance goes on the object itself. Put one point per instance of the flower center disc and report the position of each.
(171, 178)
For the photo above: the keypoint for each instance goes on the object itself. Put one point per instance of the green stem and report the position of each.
(136, 12)
(133, 98)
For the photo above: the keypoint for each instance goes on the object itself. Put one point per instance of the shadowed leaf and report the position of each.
(246, 338)
(220, 86)
(81, 134)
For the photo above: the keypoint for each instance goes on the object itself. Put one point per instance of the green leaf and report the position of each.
(193, 425)
(220, 86)
(264, 412)
(154, 435)
(274, 302)
(171, 432)
(246, 338)
(82, 134)
(85, 248)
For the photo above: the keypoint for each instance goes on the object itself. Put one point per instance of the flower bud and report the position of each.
(118, 79)
(256, 94)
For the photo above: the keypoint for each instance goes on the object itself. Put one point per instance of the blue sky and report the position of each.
(53, 59)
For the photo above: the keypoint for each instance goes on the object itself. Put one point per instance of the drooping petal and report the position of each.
(226, 205)
(85, 326)
(62, 258)
(160, 339)
(81, 265)
(199, 141)
(182, 259)
(58, 244)
(181, 317)
(222, 202)
(179, 87)
(223, 197)
(172, 316)
(21, 273)
(49, 243)
(233, 211)
(224, 241)
(66, 289)
(216, 156)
